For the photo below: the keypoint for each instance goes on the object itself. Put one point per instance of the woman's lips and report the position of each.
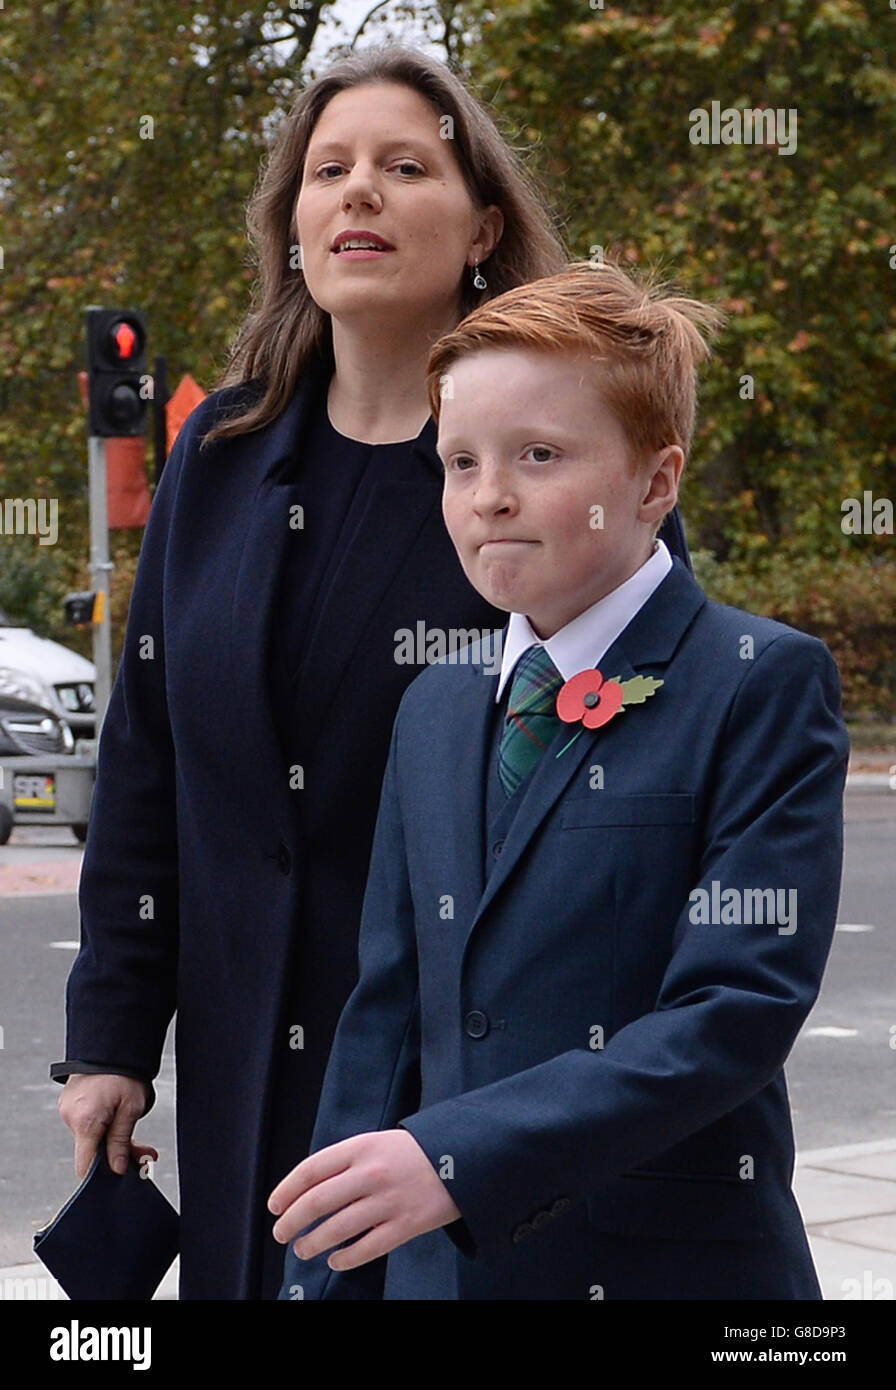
(361, 254)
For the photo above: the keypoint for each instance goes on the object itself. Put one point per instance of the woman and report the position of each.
(296, 536)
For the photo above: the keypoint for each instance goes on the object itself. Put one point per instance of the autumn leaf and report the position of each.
(639, 689)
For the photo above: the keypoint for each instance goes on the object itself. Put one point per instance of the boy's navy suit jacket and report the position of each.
(658, 1165)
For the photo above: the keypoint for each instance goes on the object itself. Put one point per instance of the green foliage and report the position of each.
(796, 248)
(132, 138)
(33, 582)
(848, 603)
(799, 250)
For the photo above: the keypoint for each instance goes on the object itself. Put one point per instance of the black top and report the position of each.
(337, 474)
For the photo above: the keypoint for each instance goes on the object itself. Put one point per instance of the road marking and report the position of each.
(65, 945)
(854, 926)
(832, 1032)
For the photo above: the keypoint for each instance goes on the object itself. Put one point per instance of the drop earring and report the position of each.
(479, 280)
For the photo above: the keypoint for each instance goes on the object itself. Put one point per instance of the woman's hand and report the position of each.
(381, 1183)
(96, 1105)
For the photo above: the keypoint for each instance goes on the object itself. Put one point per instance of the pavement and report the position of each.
(847, 1194)
(872, 770)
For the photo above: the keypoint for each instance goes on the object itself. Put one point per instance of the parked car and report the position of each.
(29, 727)
(46, 673)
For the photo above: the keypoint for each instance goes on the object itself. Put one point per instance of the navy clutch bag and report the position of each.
(115, 1238)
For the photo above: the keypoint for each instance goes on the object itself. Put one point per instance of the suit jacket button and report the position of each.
(497, 848)
(476, 1024)
(284, 859)
(562, 1204)
(522, 1230)
(541, 1218)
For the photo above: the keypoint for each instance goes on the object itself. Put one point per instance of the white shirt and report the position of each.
(582, 643)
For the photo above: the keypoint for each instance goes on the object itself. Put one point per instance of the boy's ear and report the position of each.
(661, 481)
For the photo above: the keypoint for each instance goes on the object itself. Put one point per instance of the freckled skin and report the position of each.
(529, 447)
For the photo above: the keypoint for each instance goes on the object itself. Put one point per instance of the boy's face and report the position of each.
(540, 500)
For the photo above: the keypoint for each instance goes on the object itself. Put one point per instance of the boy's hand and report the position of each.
(381, 1183)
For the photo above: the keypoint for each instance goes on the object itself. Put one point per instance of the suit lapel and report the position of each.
(649, 640)
(463, 777)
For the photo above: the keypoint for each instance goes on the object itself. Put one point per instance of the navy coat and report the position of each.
(202, 860)
(594, 1069)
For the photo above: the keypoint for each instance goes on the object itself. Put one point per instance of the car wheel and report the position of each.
(6, 824)
(80, 831)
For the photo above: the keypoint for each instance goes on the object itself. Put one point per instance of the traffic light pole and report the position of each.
(116, 408)
(100, 570)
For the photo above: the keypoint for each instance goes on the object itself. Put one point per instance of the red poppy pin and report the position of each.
(588, 699)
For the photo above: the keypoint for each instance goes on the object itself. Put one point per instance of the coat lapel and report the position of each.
(266, 532)
(649, 640)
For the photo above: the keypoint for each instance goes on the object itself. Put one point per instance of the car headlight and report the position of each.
(21, 686)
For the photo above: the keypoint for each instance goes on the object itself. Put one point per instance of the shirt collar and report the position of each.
(582, 643)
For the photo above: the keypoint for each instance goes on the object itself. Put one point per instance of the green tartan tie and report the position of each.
(531, 719)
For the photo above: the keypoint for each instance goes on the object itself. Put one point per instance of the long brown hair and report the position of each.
(284, 327)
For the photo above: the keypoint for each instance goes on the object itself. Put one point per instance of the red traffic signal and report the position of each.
(117, 375)
(124, 339)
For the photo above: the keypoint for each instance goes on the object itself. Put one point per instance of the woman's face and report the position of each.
(376, 162)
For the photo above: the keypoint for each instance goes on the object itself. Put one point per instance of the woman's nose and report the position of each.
(360, 187)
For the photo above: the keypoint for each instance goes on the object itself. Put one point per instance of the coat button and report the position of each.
(560, 1205)
(476, 1024)
(497, 848)
(541, 1218)
(522, 1230)
(284, 859)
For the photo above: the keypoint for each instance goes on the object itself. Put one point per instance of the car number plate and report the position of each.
(34, 791)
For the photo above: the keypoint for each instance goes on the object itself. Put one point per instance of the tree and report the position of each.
(132, 138)
(799, 248)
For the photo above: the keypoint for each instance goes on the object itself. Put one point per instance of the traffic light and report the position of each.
(117, 375)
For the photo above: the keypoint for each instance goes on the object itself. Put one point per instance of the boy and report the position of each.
(603, 885)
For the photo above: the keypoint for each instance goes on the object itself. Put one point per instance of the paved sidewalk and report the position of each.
(872, 770)
(847, 1196)
(40, 877)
